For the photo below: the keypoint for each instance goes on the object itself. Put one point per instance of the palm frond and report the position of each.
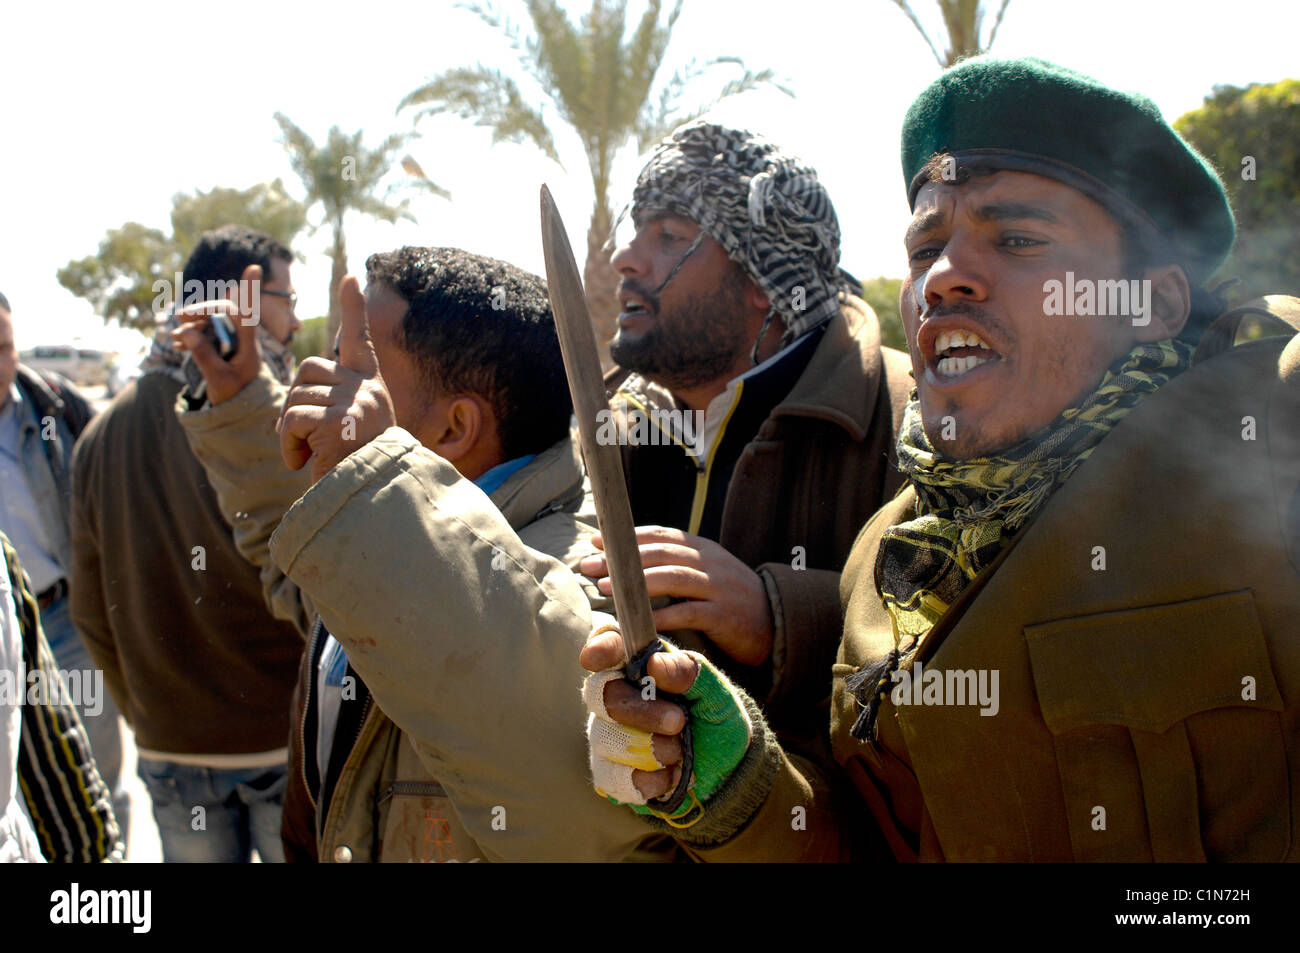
(993, 34)
(488, 97)
(654, 124)
(911, 15)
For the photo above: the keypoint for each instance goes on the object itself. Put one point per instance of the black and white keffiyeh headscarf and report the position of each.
(765, 208)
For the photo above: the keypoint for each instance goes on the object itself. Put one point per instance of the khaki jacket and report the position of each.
(1147, 710)
(463, 621)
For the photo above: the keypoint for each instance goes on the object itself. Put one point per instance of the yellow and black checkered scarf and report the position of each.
(967, 510)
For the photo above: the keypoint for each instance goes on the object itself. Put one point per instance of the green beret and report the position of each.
(1027, 115)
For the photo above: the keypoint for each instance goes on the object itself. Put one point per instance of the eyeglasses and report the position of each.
(290, 295)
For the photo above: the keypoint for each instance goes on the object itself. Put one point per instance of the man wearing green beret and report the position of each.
(1075, 635)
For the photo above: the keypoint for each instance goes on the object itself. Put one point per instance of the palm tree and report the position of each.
(600, 84)
(963, 20)
(343, 175)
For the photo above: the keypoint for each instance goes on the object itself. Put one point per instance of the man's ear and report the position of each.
(755, 297)
(464, 426)
(1169, 303)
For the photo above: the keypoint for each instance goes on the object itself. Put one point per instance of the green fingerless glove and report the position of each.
(720, 736)
(719, 726)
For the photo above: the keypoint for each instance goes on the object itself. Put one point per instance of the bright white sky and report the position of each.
(108, 109)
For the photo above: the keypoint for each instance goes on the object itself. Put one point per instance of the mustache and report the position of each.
(977, 314)
(627, 286)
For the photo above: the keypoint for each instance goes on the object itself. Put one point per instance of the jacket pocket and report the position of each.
(418, 826)
(1167, 726)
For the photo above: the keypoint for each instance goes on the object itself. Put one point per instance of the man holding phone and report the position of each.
(171, 611)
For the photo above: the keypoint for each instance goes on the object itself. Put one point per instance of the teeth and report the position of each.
(954, 366)
(948, 340)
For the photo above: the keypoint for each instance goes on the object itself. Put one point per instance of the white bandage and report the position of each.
(593, 691)
(615, 750)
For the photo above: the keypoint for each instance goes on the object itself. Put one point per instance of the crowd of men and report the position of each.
(1030, 591)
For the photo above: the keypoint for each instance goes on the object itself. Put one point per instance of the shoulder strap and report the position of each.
(1222, 333)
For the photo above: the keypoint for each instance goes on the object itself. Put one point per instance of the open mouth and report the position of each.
(960, 351)
(634, 304)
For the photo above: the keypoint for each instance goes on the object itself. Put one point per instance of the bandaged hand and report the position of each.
(634, 734)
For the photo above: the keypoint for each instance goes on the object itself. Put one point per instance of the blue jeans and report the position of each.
(103, 728)
(216, 815)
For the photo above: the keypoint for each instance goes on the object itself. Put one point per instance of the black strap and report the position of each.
(1222, 332)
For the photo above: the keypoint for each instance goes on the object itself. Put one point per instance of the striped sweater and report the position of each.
(66, 799)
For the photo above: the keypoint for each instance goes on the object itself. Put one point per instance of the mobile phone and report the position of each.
(221, 332)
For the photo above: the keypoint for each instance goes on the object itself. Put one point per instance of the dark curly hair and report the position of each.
(481, 326)
(223, 253)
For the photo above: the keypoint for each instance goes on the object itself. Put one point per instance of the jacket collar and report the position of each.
(33, 385)
(550, 482)
(839, 385)
(843, 377)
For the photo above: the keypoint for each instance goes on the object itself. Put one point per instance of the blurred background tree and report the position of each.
(312, 338)
(882, 294)
(1252, 135)
(963, 24)
(118, 279)
(600, 80)
(344, 176)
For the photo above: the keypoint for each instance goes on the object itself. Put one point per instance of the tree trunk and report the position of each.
(339, 269)
(601, 281)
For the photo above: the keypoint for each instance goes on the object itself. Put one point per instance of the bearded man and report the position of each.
(756, 410)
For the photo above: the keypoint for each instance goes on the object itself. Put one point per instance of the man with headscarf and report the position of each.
(1073, 636)
(173, 614)
(755, 407)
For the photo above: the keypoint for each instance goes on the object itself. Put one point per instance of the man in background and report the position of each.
(41, 417)
(172, 612)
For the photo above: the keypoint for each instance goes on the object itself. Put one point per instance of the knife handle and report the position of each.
(634, 672)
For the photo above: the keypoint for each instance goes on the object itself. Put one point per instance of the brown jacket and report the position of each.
(1149, 710)
(811, 476)
(169, 609)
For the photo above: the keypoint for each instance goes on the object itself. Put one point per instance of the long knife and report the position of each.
(604, 462)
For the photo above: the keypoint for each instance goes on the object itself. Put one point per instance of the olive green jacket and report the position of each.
(1145, 629)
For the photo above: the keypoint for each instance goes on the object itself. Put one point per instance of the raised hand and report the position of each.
(336, 407)
(224, 378)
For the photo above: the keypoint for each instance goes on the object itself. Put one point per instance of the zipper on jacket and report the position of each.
(409, 788)
(702, 477)
(361, 724)
(306, 707)
(412, 789)
(574, 495)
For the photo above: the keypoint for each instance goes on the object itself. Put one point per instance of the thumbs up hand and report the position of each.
(336, 407)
